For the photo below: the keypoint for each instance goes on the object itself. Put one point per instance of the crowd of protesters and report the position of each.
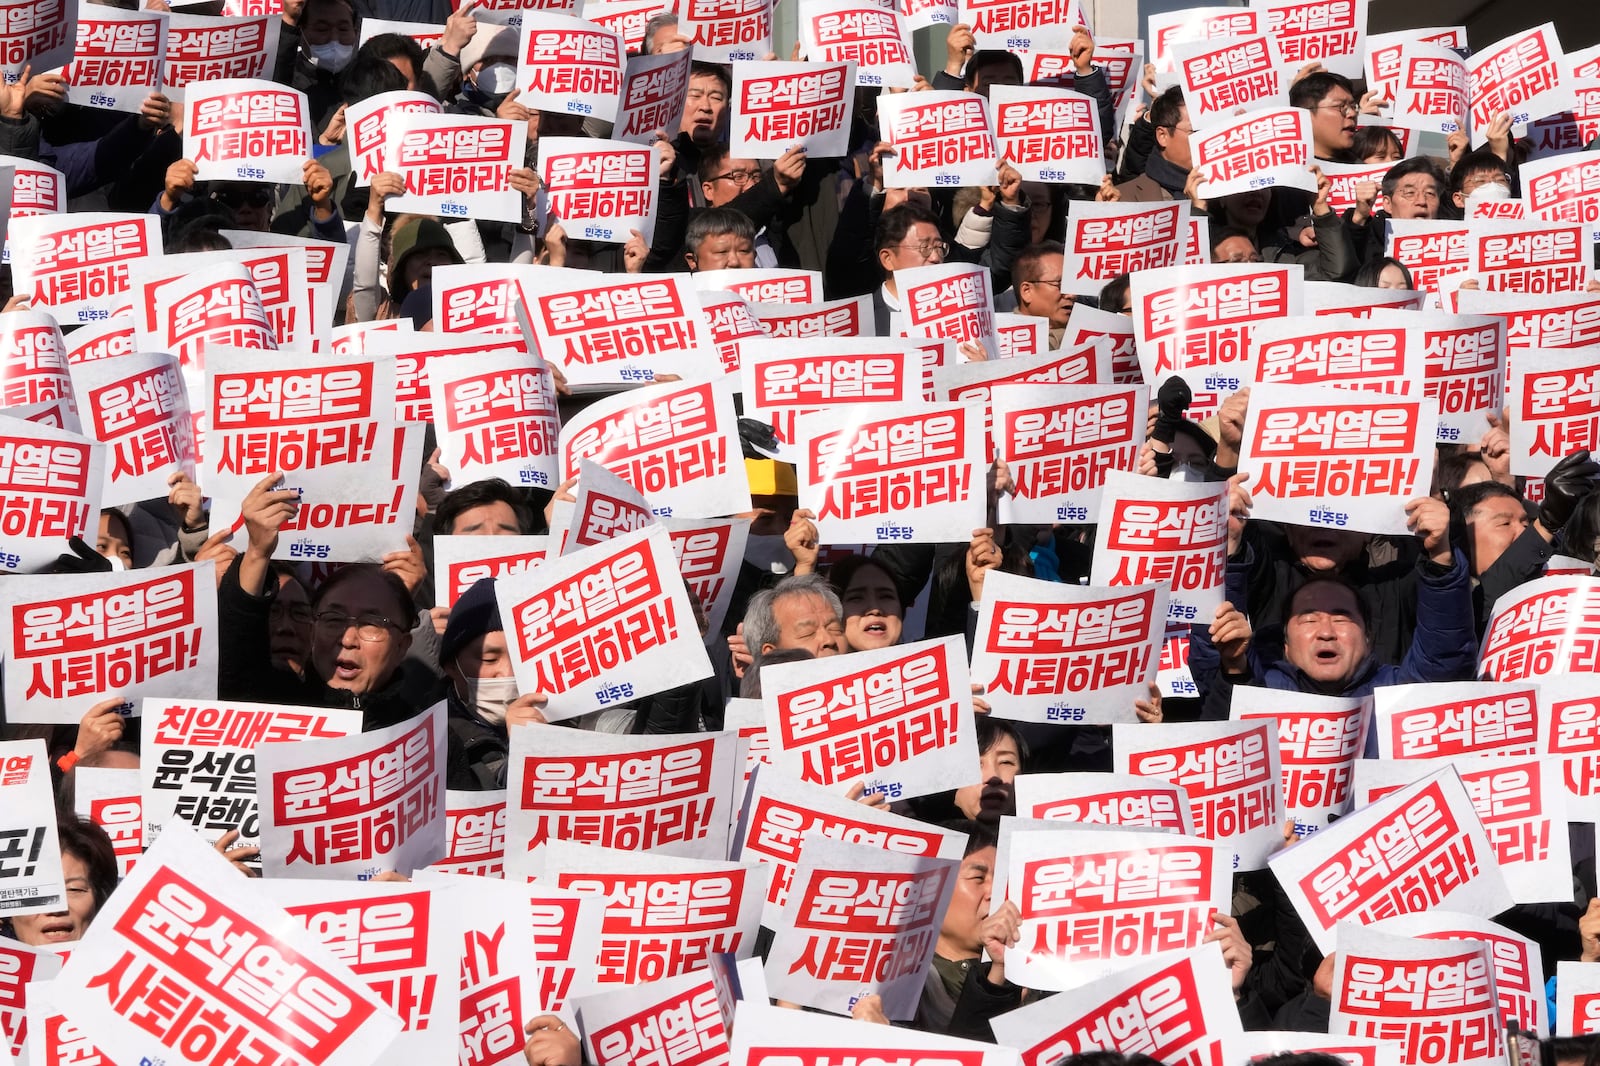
(1309, 610)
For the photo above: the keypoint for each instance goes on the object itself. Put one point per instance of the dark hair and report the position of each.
(1108, 1058)
(1114, 291)
(1300, 1058)
(1476, 162)
(1568, 1048)
(116, 516)
(842, 572)
(716, 222)
(371, 73)
(991, 57)
(1464, 499)
(1029, 262)
(392, 586)
(1370, 140)
(478, 494)
(91, 846)
(750, 684)
(1417, 164)
(979, 835)
(1582, 530)
(712, 70)
(202, 234)
(895, 223)
(711, 161)
(992, 730)
(1222, 233)
(1450, 468)
(1309, 90)
(1165, 110)
(1338, 582)
(1372, 270)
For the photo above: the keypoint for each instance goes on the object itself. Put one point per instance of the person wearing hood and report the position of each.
(482, 702)
(488, 71)
(1326, 632)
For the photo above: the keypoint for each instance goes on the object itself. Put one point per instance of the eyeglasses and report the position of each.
(1479, 181)
(1349, 108)
(928, 249)
(237, 198)
(369, 627)
(299, 614)
(740, 178)
(1411, 194)
(716, 96)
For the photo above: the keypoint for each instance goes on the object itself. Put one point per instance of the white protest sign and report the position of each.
(367, 129)
(1320, 739)
(1569, 725)
(245, 129)
(782, 382)
(1523, 75)
(118, 58)
(1060, 443)
(1105, 240)
(1541, 628)
(1426, 721)
(23, 997)
(50, 490)
(606, 330)
(1557, 408)
(1422, 848)
(1431, 90)
(38, 34)
(148, 950)
(824, 730)
(1223, 76)
(876, 40)
(777, 106)
(1256, 150)
(653, 95)
(678, 1019)
(1330, 32)
(202, 49)
(30, 852)
(138, 407)
(75, 265)
(600, 190)
(1530, 255)
(1011, 24)
(941, 137)
(475, 833)
(1048, 134)
(109, 797)
(569, 66)
(1104, 799)
(455, 166)
(1377, 353)
(1577, 998)
(496, 416)
(727, 31)
(351, 807)
(77, 639)
(1154, 529)
(850, 316)
(462, 561)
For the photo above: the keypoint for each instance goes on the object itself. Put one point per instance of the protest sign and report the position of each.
(604, 330)
(353, 338)
(1338, 298)
(1174, 1010)
(876, 40)
(1263, 1044)
(730, 322)
(676, 443)
(616, 613)
(76, 265)
(1320, 739)
(1577, 998)
(669, 795)
(483, 297)
(897, 720)
(1522, 75)
(1153, 529)
(1231, 770)
(1222, 76)
(1464, 363)
(1060, 442)
(940, 137)
(195, 311)
(1429, 721)
(777, 106)
(354, 806)
(1384, 51)
(1569, 726)
(38, 34)
(1087, 324)
(653, 96)
(764, 285)
(1431, 90)
(426, 34)
(367, 130)
(781, 812)
(1529, 256)
(1094, 901)
(118, 58)
(414, 353)
(402, 941)
(880, 474)
(1013, 24)
(1259, 149)
(1432, 250)
(455, 166)
(1557, 405)
(1542, 628)
(475, 833)
(146, 984)
(462, 561)
(568, 66)
(138, 408)
(1165, 30)
(775, 1036)
(1019, 336)
(50, 489)
(1104, 799)
(625, 18)
(1436, 999)
(600, 190)
(606, 506)
(102, 340)
(30, 854)
(26, 970)
(710, 553)
(664, 916)
(1422, 848)
(727, 31)
(859, 921)
(678, 1020)
(110, 799)
(1105, 240)
(496, 417)
(1048, 134)
(1564, 189)
(850, 316)
(566, 927)
(1521, 801)
(76, 639)
(328, 274)
(245, 129)
(197, 763)
(1337, 457)
(785, 381)
(1330, 32)
(202, 49)
(1374, 354)
(1571, 130)
(1344, 178)
(1048, 652)
(513, 12)
(34, 368)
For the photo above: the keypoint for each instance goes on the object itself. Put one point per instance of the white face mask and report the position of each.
(332, 56)
(496, 79)
(115, 561)
(490, 696)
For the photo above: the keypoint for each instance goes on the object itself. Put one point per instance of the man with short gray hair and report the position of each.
(801, 611)
(660, 33)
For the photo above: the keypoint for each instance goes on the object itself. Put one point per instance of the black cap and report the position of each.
(477, 612)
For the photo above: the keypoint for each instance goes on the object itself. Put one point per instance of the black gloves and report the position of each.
(755, 434)
(81, 560)
(1565, 486)
(1171, 402)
